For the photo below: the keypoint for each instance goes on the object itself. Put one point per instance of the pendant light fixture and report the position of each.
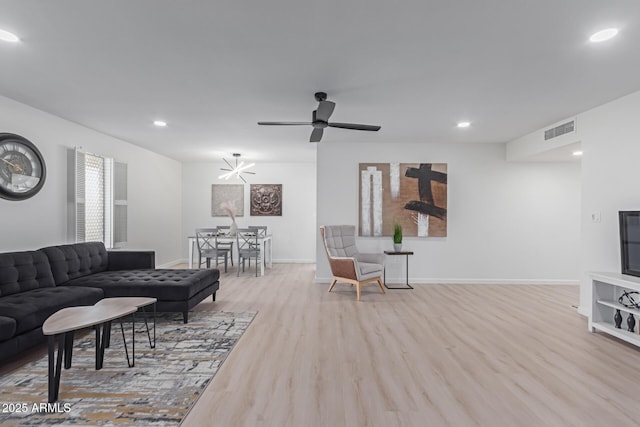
(236, 170)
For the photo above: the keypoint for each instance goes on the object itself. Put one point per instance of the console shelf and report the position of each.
(623, 334)
(606, 289)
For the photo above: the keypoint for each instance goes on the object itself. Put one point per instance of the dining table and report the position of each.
(265, 242)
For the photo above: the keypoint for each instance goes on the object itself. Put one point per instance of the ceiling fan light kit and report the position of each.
(236, 170)
(320, 120)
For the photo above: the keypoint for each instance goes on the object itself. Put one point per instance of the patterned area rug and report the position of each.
(158, 391)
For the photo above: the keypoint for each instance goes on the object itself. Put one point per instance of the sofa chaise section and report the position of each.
(175, 290)
(122, 274)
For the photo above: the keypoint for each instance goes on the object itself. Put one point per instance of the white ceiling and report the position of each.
(212, 69)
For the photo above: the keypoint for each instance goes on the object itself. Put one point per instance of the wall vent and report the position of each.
(563, 129)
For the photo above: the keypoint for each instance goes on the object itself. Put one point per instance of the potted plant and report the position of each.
(397, 237)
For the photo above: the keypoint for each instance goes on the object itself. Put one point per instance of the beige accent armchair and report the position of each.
(347, 264)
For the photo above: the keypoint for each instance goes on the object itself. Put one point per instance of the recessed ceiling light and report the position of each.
(160, 123)
(603, 35)
(464, 124)
(8, 37)
(577, 153)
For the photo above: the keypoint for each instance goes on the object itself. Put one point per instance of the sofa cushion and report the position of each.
(164, 284)
(30, 309)
(7, 328)
(24, 271)
(77, 260)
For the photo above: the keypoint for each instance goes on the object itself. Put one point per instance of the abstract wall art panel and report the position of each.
(412, 194)
(229, 193)
(266, 200)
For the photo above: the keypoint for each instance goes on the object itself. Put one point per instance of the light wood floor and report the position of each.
(459, 355)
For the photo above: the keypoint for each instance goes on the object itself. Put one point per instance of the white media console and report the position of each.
(606, 288)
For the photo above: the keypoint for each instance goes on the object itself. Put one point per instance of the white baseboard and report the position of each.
(172, 263)
(294, 261)
(432, 281)
(583, 311)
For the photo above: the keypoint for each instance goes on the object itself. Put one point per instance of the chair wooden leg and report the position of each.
(333, 283)
(358, 290)
(381, 287)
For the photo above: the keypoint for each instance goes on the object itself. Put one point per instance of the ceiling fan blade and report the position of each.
(316, 135)
(324, 111)
(283, 123)
(354, 126)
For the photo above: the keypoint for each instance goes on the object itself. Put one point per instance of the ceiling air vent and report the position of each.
(562, 129)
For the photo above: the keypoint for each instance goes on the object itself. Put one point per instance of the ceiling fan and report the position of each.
(320, 120)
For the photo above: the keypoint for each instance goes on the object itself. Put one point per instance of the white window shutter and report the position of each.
(120, 204)
(96, 199)
(76, 188)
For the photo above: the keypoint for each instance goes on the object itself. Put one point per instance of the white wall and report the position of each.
(610, 183)
(507, 222)
(154, 186)
(293, 232)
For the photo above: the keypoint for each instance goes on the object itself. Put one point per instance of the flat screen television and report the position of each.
(630, 242)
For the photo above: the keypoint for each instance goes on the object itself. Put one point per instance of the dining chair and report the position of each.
(347, 264)
(227, 244)
(208, 247)
(261, 230)
(248, 247)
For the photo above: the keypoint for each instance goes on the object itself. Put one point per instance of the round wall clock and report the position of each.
(22, 168)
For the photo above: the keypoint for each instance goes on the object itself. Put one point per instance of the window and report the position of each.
(97, 199)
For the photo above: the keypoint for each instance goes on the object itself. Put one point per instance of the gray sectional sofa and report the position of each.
(36, 284)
